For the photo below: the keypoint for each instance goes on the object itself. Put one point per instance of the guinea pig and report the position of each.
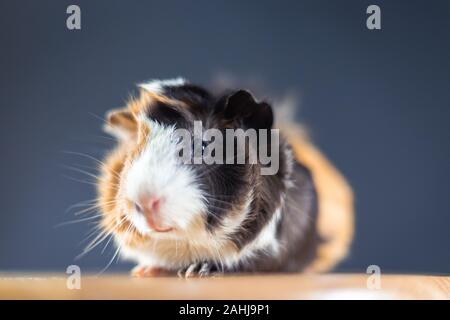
(199, 219)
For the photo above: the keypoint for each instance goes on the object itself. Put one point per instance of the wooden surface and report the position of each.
(46, 286)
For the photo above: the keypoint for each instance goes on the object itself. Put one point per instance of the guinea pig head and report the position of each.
(149, 190)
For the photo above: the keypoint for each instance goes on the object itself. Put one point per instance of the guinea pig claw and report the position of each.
(204, 270)
(187, 272)
(146, 271)
(195, 270)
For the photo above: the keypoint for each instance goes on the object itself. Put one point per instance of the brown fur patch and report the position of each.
(121, 123)
(141, 104)
(142, 139)
(122, 118)
(109, 200)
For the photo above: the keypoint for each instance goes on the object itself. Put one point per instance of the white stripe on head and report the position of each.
(157, 86)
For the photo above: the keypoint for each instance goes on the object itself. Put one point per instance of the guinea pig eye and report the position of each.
(137, 208)
(204, 144)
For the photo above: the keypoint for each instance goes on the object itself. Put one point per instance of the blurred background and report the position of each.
(376, 102)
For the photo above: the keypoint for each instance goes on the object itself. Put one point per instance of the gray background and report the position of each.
(377, 103)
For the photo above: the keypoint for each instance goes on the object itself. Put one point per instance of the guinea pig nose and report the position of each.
(154, 204)
(148, 205)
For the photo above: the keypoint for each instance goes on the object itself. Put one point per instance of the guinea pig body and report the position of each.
(201, 218)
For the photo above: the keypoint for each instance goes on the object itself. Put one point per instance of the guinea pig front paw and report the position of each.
(147, 271)
(198, 269)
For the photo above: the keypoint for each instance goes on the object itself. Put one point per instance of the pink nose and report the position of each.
(150, 206)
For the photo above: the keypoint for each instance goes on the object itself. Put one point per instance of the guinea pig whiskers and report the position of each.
(99, 162)
(93, 168)
(102, 119)
(101, 237)
(96, 241)
(111, 236)
(82, 171)
(79, 180)
(85, 181)
(103, 137)
(97, 178)
(113, 186)
(119, 247)
(221, 201)
(213, 213)
(219, 204)
(81, 204)
(98, 227)
(78, 220)
(82, 166)
(111, 261)
(91, 209)
(92, 206)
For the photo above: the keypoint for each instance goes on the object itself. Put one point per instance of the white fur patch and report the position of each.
(157, 86)
(265, 241)
(230, 225)
(157, 172)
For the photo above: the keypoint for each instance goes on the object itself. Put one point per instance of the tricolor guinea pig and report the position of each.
(198, 218)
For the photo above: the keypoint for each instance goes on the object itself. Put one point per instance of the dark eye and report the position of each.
(204, 144)
(138, 208)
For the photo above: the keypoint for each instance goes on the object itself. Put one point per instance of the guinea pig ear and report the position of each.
(121, 123)
(242, 105)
